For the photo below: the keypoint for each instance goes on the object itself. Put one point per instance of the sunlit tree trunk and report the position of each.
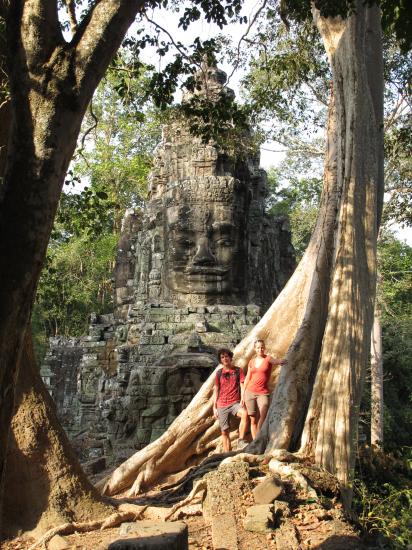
(45, 485)
(376, 382)
(51, 84)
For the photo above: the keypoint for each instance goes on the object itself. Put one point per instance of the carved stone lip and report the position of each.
(202, 271)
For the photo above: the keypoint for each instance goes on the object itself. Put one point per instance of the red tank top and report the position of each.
(259, 377)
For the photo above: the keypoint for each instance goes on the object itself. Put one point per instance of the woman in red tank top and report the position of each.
(256, 386)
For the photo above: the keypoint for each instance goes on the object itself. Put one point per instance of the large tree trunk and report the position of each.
(376, 382)
(323, 317)
(51, 84)
(45, 485)
(330, 432)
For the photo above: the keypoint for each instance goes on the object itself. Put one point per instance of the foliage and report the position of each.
(113, 160)
(398, 131)
(288, 82)
(397, 388)
(386, 510)
(394, 294)
(395, 279)
(75, 281)
(293, 193)
(383, 495)
(119, 137)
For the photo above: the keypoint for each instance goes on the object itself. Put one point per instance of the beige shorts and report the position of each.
(255, 402)
(224, 414)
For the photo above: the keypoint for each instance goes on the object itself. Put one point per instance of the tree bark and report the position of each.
(45, 485)
(376, 382)
(51, 84)
(330, 432)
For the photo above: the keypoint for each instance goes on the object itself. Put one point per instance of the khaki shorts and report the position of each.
(224, 413)
(256, 401)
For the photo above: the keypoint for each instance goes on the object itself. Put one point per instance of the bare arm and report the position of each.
(274, 361)
(243, 387)
(215, 401)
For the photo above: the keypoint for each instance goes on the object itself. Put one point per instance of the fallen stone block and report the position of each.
(95, 466)
(268, 490)
(281, 511)
(156, 512)
(152, 535)
(286, 537)
(259, 518)
(224, 532)
(57, 543)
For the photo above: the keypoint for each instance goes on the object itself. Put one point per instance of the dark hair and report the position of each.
(222, 351)
(259, 341)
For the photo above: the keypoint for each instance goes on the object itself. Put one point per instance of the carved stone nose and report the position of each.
(203, 254)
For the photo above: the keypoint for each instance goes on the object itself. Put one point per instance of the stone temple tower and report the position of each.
(193, 273)
(204, 237)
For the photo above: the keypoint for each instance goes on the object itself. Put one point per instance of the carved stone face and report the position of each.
(205, 248)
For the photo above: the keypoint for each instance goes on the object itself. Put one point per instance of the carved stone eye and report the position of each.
(185, 243)
(224, 242)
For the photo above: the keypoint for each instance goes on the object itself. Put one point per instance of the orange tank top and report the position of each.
(259, 377)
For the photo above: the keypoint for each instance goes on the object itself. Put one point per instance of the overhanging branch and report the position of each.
(99, 36)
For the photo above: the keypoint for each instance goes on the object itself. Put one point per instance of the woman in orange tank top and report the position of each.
(256, 386)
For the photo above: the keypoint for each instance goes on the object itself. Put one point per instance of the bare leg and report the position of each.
(242, 414)
(262, 415)
(253, 426)
(227, 447)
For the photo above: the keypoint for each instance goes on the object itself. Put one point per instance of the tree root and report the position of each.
(244, 457)
(199, 487)
(288, 471)
(126, 512)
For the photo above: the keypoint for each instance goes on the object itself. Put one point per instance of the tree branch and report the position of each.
(99, 36)
(71, 12)
(36, 24)
(179, 47)
(244, 36)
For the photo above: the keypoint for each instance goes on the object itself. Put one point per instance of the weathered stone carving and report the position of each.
(193, 274)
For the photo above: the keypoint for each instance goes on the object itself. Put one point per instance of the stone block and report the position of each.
(281, 511)
(156, 433)
(178, 339)
(92, 337)
(253, 309)
(228, 309)
(267, 491)
(156, 513)
(152, 535)
(155, 411)
(57, 543)
(143, 435)
(95, 466)
(151, 350)
(259, 519)
(286, 537)
(162, 311)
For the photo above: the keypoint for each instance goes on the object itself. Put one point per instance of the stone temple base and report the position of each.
(122, 398)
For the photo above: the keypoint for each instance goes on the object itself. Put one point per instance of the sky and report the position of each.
(271, 154)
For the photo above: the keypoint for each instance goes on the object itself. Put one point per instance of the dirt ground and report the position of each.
(318, 525)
